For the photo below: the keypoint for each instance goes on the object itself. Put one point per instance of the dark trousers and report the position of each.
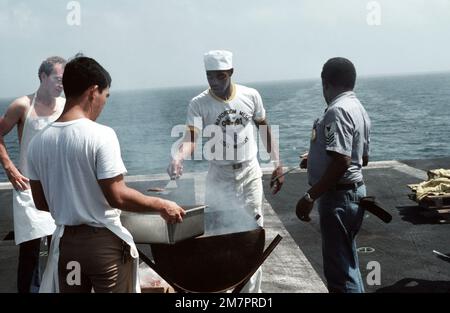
(28, 267)
(28, 263)
(94, 258)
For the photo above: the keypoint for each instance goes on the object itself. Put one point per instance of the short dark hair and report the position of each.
(48, 64)
(339, 72)
(82, 73)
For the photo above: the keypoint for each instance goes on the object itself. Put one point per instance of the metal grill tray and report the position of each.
(152, 228)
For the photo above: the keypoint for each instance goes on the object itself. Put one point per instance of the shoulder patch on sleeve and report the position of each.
(330, 133)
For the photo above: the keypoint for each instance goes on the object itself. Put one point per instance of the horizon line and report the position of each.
(364, 76)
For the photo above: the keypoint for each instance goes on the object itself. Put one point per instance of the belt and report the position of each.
(349, 186)
(236, 166)
(83, 228)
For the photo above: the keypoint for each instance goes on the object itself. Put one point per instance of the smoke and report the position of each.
(228, 221)
(229, 211)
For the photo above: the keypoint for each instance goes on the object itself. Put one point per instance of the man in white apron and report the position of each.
(76, 172)
(31, 114)
(233, 112)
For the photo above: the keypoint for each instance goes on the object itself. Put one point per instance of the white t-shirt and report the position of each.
(234, 118)
(68, 158)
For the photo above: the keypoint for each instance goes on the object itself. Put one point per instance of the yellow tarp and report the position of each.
(438, 173)
(438, 184)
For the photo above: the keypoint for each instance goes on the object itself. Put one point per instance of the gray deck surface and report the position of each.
(403, 248)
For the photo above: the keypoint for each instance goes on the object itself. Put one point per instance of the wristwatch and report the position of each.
(308, 198)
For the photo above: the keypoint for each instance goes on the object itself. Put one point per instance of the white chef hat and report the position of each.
(218, 60)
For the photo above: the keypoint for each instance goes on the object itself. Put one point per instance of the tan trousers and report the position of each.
(93, 258)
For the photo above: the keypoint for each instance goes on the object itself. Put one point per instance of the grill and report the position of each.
(211, 263)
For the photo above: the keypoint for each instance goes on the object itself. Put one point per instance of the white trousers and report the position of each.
(227, 188)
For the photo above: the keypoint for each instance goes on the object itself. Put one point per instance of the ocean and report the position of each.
(410, 119)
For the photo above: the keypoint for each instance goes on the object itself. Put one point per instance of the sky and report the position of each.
(160, 43)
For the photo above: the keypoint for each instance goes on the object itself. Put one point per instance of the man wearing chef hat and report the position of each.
(232, 113)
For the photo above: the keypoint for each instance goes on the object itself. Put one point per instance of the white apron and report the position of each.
(29, 222)
(50, 278)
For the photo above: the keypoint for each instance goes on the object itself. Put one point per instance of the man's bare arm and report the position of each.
(365, 160)
(38, 195)
(187, 147)
(269, 142)
(271, 146)
(12, 117)
(120, 196)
